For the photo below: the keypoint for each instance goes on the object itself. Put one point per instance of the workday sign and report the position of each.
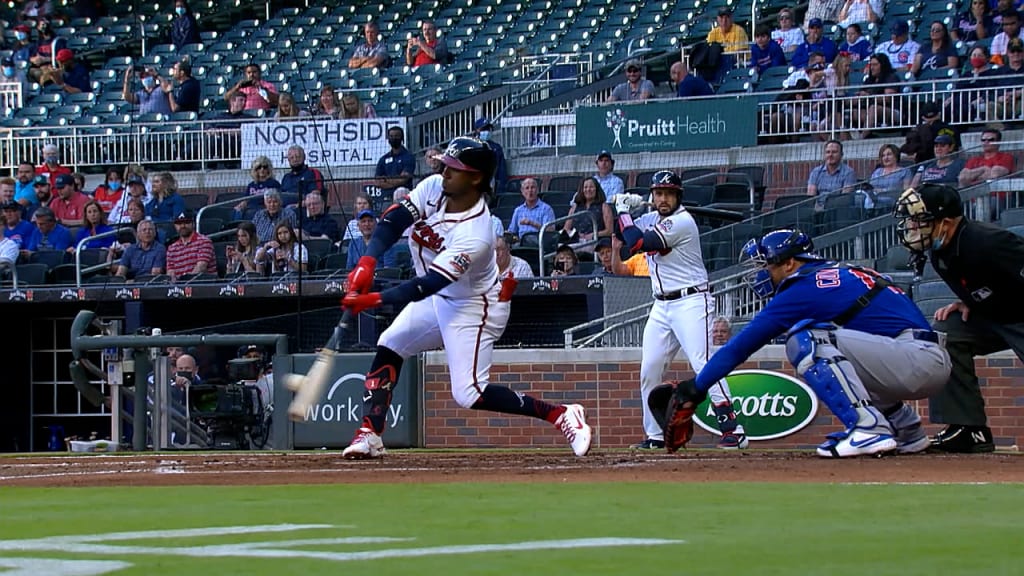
(681, 124)
(768, 404)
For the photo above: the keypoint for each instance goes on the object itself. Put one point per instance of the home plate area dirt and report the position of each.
(252, 468)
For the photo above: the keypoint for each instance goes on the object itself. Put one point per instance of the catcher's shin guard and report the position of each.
(679, 415)
(658, 401)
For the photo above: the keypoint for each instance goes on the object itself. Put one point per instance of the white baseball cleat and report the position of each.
(366, 444)
(857, 442)
(573, 424)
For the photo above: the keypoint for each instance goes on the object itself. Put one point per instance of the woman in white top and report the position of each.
(787, 35)
(283, 253)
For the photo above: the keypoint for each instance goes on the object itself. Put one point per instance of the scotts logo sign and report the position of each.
(768, 404)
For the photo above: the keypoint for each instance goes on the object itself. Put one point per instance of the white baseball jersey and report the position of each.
(681, 265)
(460, 246)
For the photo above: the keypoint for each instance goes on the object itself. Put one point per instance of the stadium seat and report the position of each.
(32, 274)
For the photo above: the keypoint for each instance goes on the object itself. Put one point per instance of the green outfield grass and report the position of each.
(721, 529)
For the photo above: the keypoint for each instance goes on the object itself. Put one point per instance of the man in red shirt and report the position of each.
(259, 94)
(69, 204)
(991, 164)
(426, 50)
(191, 253)
(51, 167)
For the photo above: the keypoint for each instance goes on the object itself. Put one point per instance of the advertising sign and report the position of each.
(768, 404)
(327, 142)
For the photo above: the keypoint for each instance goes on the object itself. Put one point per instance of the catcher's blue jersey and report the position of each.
(820, 291)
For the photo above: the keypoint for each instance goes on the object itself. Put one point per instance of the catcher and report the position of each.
(855, 338)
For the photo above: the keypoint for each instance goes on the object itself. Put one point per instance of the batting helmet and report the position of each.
(918, 210)
(666, 179)
(773, 248)
(470, 155)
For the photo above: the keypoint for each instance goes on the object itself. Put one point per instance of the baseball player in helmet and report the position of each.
(457, 300)
(683, 308)
(857, 340)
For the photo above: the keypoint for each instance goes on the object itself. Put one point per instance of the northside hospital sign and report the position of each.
(657, 126)
(327, 142)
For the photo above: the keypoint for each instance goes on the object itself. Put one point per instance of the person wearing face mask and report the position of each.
(396, 167)
(149, 98)
(184, 28)
(301, 179)
(981, 264)
(482, 129)
(51, 167)
(109, 193)
(22, 49)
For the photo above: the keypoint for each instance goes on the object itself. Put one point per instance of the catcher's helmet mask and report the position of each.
(918, 212)
(773, 248)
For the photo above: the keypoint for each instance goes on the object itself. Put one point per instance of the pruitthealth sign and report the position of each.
(769, 404)
(327, 142)
(658, 126)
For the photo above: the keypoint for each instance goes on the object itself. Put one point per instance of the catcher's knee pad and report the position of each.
(825, 375)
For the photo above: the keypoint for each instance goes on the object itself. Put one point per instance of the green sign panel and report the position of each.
(665, 125)
(768, 404)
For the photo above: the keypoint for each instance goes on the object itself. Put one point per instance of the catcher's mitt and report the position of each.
(679, 414)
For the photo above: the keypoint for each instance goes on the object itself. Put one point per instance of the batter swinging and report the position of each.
(456, 300)
(683, 306)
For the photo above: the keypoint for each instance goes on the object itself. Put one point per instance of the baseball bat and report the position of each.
(308, 388)
(727, 215)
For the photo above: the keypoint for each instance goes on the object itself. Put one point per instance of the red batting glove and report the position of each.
(357, 303)
(360, 279)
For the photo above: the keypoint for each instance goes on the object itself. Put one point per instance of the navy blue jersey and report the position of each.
(820, 291)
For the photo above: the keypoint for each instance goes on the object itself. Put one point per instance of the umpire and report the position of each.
(983, 264)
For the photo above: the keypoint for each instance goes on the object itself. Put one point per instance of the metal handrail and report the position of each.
(78, 252)
(568, 332)
(14, 272)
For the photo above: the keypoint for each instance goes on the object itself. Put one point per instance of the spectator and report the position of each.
(301, 179)
(262, 173)
(823, 10)
(945, 168)
(854, 11)
(731, 36)
(9, 251)
(432, 158)
(1008, 105)
(241, 256)
(832, 177)
(283, 253)
(889, 179)
(721, 331)
(9, 72)
(6, 190)
(352, 107)
(43, 53)
(272, 215)
(429, 49)
(813, 72)
(688, 85)
(185, 96)
(68, 205)
(317, 224)
(48, 234)
(533, 214)
(603, 253)
(855, 45)
(508, 263)
(884, 107)
(94, 223)
(79, 179)
(835, 114)
(150, 98)
(70, 74)
(924, 133)
(764, 52)
(35, 10)
(120, 214)
(51, 166)
(328, 103)
(372, 53)
(225, 131)
(610, 183)
(589, 198)
(21, 50)
(191, 253)
(483, 129)
(15, 228)
(401, 193)
(367, 222)
(900, 49)
(939, 53)
(788, 35)
(975, 23)
(496, 224)
(815, 42)
(990, 164)
(635, 265)
(43, 196)
(145, 256)
(635, 87)
(360, 204)
(287, 108)
(184, 28)
(24, 184)
(259, 94)
(167, 204)
(565, 262)
(109, 193)
(1011, 29)
(968, 102)
(396, 167)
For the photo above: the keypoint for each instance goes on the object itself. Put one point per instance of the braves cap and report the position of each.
(605, 154)
(40, 180)
(64, 180)
(186, 216)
